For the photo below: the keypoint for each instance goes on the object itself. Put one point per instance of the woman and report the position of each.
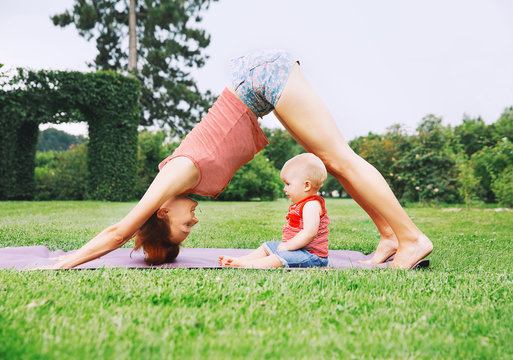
(227, 138)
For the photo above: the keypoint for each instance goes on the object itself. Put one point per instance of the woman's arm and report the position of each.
(311, 219)
(176, 177)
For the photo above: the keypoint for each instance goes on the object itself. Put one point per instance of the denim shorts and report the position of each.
(259, 78)
(296, 258)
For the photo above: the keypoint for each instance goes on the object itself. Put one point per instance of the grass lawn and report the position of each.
(462, 307)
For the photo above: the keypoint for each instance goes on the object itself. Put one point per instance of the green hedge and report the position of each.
(107, 101)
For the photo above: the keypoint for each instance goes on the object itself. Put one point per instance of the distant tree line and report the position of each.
(53, 139)
(471, 161)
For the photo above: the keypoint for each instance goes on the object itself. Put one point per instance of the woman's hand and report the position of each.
(61, 257)
(46, 267)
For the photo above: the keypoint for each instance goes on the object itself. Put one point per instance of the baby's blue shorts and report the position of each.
(297, 258)
(259, 78)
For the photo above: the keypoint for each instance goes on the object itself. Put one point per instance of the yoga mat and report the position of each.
(29, 257)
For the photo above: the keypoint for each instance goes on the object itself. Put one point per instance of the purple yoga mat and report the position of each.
(28, 257)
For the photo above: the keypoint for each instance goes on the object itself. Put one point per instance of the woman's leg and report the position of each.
(388, 241)
(304, 113)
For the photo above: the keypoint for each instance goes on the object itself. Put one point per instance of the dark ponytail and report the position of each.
(155, 239)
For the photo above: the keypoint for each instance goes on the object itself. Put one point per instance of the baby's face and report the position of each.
(296, 186)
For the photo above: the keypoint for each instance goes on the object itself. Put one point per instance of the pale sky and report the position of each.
(375, 63)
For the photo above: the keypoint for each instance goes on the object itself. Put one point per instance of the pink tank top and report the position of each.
(227, 137)
(319, 245)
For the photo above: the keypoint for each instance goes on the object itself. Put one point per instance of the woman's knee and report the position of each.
(339, 161)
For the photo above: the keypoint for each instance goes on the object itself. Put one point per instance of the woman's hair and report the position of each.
(155, 239)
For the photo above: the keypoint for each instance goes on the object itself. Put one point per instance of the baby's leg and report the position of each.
(266, 262)
(256, 254)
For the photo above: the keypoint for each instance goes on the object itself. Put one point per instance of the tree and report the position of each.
(502, 187)
(428, 170)
(257, 179)
(466, 179)
(281, 147)
(503, 128)
(168, 44)
(132, 38)
(489, 164)
(385, 153)
(473, 135)
(152, 149)
(53, 139)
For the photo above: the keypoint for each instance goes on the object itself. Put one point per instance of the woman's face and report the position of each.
(180, 211)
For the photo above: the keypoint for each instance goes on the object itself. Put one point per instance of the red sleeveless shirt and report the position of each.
(228, 137)
(319, 245)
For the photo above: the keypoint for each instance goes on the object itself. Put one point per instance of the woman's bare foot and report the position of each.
(409, 254)
(386, 248)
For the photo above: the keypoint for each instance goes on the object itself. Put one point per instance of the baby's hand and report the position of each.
(282, 247)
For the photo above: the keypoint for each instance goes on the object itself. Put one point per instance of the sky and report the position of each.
(374, 63)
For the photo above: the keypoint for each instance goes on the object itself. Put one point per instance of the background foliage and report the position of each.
(53, 139)
(169, 46)
(472, 161)
(432, 165)
(62, 175)
(258, 179)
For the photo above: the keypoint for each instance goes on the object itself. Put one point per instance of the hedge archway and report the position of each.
(107, 101)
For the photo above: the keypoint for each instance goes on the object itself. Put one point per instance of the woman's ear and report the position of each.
(162, 213)
(308, 185)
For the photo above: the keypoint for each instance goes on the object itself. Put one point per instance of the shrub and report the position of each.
(53, 139)
(152, 149)
(489, 164)
(502, 187)
(258, 179)
(62, 175)
(108, 101)
(281, 147)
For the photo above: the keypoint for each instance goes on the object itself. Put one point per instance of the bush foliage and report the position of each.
(258, 179)
(432, 165)
(106, 100)
(441, 163)
(53, 139)
(436, 163)
(62, 175)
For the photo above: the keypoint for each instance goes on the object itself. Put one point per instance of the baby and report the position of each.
(305, 235)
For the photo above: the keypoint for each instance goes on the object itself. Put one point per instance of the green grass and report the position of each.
(462, 307)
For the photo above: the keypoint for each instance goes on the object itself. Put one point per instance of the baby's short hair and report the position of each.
(310, 166)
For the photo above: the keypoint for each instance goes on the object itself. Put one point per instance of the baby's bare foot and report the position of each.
(386, 248)
(235, 262)
(225, 260)
(409, 254)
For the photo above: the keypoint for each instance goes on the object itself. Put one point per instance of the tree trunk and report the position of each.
(132, 40)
